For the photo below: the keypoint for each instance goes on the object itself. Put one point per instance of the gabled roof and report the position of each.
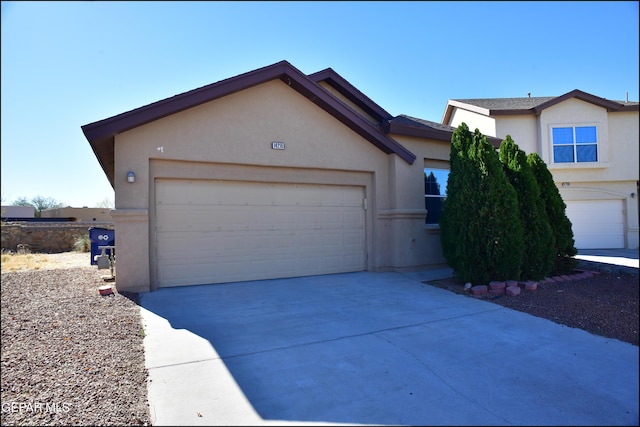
(350, 92)
(530, 105)
(412, 126)
(101, 134)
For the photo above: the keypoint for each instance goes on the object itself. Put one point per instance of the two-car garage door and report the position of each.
(226, 231)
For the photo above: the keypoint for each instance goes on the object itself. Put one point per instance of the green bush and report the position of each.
(555, 207)
(82, 243)
(480, 227)
(539, 242)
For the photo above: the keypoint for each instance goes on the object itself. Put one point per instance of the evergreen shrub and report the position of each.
(565, 251)
(539, 242)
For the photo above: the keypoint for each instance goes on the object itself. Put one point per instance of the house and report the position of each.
(270, 174)
(84, 214)
(590, 145)
(18, 212)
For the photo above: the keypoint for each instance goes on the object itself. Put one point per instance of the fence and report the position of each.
(43, 237)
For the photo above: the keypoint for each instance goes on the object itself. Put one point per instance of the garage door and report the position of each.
(597, 224)
(229, 231)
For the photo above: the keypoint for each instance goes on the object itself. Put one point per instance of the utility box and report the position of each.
(100, 237)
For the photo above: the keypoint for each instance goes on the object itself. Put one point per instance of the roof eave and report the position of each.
(352, 93)
(518, 112)
(584, 96)
(159, 109)
(430, 133)
(316, 94)
(417, 131)
(101, 134)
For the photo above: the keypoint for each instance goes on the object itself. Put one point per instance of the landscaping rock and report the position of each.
(479, 290)
(497, 285)
(512, 291)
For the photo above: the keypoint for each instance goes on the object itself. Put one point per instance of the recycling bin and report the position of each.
(100, 237)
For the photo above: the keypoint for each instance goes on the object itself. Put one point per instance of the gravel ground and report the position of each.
(605, 304)
(70, 356)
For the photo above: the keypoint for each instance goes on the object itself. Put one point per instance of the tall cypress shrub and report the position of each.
(565, 251)
(539, 241)
(462, 190)
(480, 227)
(500, 228)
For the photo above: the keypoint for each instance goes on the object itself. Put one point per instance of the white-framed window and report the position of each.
(435, 191)
(574, 144)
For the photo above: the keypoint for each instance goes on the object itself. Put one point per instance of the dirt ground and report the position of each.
(30, 262)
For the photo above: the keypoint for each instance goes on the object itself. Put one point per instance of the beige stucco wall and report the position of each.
(523, 131)
(230, 138)
(414, 242)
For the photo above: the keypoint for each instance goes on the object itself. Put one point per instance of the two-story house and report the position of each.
(590, 145)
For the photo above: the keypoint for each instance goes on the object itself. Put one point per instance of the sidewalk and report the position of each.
(612, 260)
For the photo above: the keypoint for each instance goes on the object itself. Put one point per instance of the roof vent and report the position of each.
(529, 94)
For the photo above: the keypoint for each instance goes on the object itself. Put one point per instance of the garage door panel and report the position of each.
(597, 224)
(219, 231)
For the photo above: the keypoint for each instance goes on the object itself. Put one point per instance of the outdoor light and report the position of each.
(131, 177)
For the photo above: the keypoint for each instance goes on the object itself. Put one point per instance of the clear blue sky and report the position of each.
(67, 64)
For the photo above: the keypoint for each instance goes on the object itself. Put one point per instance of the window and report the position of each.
(575, 144)
(435, 191)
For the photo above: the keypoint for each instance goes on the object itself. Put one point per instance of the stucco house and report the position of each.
(18, 212)
(590, 145)
(269, 174)
(84, 214)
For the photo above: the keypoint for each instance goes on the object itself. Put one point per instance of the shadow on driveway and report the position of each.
(373, 348)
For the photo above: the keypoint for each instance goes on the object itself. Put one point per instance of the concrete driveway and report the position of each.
(373, 348)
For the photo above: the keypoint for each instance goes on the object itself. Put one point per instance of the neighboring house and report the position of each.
(269, 174)
(590, 145)
(83, 214)
(18, 212)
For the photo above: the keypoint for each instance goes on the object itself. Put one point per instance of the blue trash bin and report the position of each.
(100, 237)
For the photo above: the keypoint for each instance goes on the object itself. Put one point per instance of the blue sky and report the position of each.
(67, 64)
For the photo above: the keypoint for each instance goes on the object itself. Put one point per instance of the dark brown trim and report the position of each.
(352, 93)
(587, 97)
(417, 131)
(428, 132)
(511, 112)
(629, 107)
(101, 134)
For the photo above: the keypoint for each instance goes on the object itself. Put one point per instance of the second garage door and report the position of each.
(228, 231)
(597, 224)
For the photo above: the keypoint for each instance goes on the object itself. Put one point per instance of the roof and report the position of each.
(412, 126)
(101, 134)
(531, 105)
(352, 93)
